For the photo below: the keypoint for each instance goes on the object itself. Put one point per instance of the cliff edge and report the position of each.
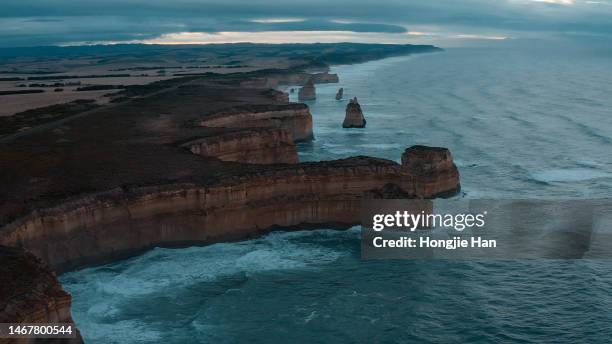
(31, 293)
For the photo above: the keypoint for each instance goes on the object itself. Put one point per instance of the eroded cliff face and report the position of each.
(294, 118)
(255, 146)
(31, 293)
(118, 223)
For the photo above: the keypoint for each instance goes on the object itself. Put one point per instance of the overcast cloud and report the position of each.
(59, 22)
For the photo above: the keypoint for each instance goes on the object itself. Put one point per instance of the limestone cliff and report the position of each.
(307, 92)
(254, 146)
(294, 118)
(104, 226)
(354, 116)
(31, 293)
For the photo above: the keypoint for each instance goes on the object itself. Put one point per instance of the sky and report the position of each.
(439, 22)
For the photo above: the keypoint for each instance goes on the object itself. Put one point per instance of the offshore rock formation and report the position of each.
(31, 293)
(307, 92)
(432, 169)
(294, 118)
(340, 93)
(354, 116)
(98, 227)
(254, 146)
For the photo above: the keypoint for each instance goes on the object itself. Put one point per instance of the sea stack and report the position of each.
(340, 93)
(432, 172)
(307, 92)
(354, 116)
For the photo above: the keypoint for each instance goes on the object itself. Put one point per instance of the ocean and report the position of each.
(521, 123)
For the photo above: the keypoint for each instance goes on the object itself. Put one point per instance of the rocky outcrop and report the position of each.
(31, 293)
(118, 223)
(432, 170)
(354, 116)
(256, 146)
(307, 92)
(294, 118)
(340, 93)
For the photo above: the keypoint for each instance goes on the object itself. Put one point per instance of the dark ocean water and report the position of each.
(521, 124)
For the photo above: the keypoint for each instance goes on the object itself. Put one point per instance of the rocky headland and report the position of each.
(354, 116)
(294, 118)
(255, 146)
(98, 227)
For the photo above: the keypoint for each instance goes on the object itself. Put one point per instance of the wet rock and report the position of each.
(340, 93)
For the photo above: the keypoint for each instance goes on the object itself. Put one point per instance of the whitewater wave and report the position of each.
(568, 175)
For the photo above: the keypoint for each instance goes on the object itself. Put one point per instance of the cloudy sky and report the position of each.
(441, 22)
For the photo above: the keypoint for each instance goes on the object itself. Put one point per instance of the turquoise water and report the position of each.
(521, 124)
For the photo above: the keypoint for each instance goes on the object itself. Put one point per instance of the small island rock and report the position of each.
(354, 116)
(307, 92)
(340, 93)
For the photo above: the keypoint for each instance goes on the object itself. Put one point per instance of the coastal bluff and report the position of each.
(95, 228)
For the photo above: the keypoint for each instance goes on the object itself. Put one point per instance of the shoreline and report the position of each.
(206, 190)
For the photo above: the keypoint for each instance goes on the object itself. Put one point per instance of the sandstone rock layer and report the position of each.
(294, 118)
